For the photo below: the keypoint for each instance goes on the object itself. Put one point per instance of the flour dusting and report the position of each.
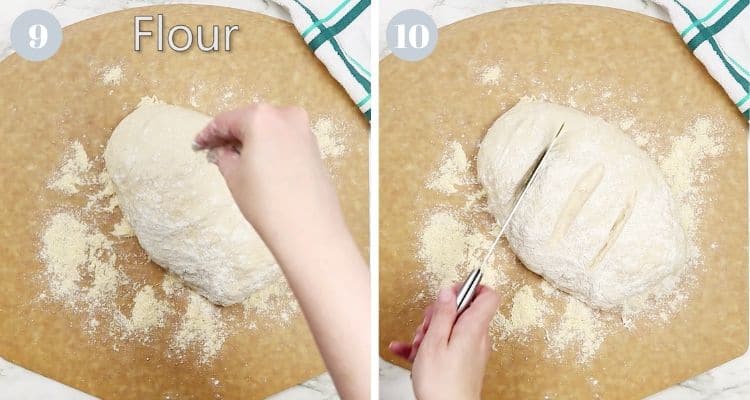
(490, 75)
(122, 229)
(687, 167)
(450, 248)
(330, 137)
(112, 75)
(527, 312)
(200, 327)
(79, 263)
(452, 172)
(72, 171)
(148, 312)
(578, 329)
(274, 302)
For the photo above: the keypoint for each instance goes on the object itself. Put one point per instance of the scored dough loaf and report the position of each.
(599, 221)
(180, 207)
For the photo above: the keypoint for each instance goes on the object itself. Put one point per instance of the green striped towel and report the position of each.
(338, 33)
(718, 33)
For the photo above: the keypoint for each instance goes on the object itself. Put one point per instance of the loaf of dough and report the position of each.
(599, 221)
(180, 208)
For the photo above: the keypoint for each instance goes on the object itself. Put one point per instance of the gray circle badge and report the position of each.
(411, 35)
(36, 35)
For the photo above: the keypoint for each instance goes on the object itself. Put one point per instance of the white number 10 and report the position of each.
(38, 36)
(418, 35)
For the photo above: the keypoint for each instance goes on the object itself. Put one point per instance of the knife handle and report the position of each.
(468, 290)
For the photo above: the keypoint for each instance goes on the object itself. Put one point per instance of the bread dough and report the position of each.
(599, 221)
(180, 208)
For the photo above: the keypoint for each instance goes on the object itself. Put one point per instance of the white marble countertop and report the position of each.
(730, 381)
(17, 383)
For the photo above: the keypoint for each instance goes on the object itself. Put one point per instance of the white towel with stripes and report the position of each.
(338, 33)
(718, 33)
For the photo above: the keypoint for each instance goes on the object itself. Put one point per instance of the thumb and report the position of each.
(443, 317)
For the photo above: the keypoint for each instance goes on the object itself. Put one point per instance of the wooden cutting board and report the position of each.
(609, 63)
(46, 105)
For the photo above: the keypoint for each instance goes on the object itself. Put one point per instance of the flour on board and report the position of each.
(526, 312)
(452, 172)
(490, 75)
(449, 248)
(148, 312)
(578, 329)
(111, 75)
(274, 302)
(201, 327)
(71, 174)
(330, 137)
(80, 263)
(687, 166)
(122, 229)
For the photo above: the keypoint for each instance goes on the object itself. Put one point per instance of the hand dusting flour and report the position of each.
(454, 239)
(89, 269)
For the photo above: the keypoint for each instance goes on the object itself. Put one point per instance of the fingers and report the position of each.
(443, 317)
(406, 350)
(428, 312)
(225, 128)
(476, 319)
(418, 338)
(401, 349)
(445, 307)
(420, 332)
(226, 158)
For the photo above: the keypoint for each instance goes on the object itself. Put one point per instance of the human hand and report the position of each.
(271, 162)
(450, 352)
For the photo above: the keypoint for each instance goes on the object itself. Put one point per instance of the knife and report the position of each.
(469, 288)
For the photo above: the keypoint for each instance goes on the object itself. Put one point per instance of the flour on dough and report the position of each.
(599, 221)
(180, 208)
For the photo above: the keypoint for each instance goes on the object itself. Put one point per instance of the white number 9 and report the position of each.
(38, 36)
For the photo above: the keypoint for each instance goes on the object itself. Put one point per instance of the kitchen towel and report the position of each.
(338, 33)
(718, 34)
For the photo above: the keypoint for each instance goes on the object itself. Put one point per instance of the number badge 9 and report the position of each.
(36, 35)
